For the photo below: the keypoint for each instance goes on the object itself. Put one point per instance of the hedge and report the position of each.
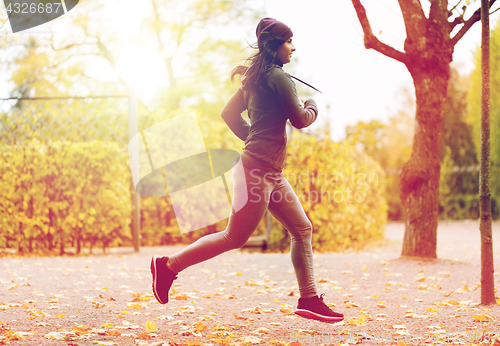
(64, 194)
(78, 195)
(341, 190)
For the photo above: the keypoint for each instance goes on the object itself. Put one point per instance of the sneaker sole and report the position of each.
(316, 316)
(153, 272)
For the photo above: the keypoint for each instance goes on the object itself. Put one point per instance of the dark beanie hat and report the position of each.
(272, 28)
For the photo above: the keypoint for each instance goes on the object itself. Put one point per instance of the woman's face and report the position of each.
(285, 51)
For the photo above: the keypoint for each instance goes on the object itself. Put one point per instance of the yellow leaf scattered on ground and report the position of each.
(67, 336)
(104, 343)
(97, 305)
(349, 304)
(81, 330)
(140, 299)
(286, 311)
(181, 297)
(150, 327)
(136, 306)
(107, 325)
(243, 317)
(250, 340)
(200, 326)
(113, 333)
(261, 331)
(482, 318)
(360, 321)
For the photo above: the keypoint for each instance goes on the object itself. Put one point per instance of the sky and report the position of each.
(357, 84)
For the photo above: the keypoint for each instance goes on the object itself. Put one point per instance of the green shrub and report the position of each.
(462, 207)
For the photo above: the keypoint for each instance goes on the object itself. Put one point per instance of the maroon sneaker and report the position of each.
(162, 278)
(316, 309)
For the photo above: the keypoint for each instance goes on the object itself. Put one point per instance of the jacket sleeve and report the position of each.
(284, 89)
(231, 113)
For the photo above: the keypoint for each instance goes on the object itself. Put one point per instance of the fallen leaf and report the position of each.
(67, 336)
(360, 321)
(150, 327)
(482, 318)
(143, 336)
(252, 340)
(104, 343)
(261, 331)
(113, 333)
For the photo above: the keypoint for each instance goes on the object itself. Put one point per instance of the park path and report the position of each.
(243, 298)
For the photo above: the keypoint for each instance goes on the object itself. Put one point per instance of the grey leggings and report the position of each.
(252, 194)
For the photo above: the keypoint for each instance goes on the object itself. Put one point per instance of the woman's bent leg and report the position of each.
(240, 226)
(285, 206)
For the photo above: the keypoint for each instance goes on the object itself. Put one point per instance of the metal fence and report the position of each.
(75, 119)
(72, 119)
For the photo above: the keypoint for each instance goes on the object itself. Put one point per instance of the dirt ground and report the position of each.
(243, 298)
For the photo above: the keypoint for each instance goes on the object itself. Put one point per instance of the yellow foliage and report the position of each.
(150, 327)
(62, 193)
(341, 190)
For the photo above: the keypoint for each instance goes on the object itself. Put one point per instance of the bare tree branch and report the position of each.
(468, 24)
(166, 58)
(66, 59)
(68, 46)
(373, 42)
(106, 53)
(456, 21)
(454, 7)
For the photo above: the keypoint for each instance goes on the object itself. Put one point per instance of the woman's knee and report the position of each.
(303, 232)
(233, 242)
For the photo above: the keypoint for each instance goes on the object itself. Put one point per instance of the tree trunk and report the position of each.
(420, 175)
(487, 270)
(62, 243)
(428, 52)
(79, 242)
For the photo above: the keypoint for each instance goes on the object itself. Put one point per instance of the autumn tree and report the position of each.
(197, 62)
(197, 58)
(428, 52)
(390, 145)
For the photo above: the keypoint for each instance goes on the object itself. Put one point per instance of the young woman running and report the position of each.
(269, 95)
